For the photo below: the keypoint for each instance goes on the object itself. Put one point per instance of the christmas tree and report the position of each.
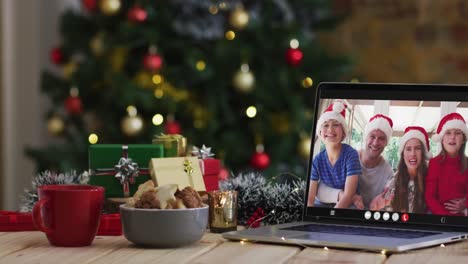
(237, 76)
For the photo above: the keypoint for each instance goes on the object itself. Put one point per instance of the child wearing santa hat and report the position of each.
(405, 193)
(338, 165)
(447, 177)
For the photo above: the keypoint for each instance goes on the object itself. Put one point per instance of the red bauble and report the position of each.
(260, 160)
(152, 62)
(56, 56)
(172, 127)
(137, 14)
(90, 5)
(73, 105)
(223, 174)
(294, 56)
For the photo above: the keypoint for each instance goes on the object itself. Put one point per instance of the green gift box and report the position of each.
(103, 159)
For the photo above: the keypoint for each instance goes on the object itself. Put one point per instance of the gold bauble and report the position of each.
(69, 69)
(304, 147)
(239, 18)
(143, 79)
(97, 44)
(244, 81)
(110, 7)
(132, 125)
(55, 125)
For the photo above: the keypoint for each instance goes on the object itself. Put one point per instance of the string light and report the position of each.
(200, 65)
(325, 248)
(242, 242)
(213, 9)
(157, 119)
(157, 79)
(158, 93)
(383, 252)
(93, 139)
(230, 35)
(442, 245)
(294, 43)
(251, 111)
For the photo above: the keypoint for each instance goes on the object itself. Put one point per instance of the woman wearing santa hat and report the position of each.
(447, 178)
(338, 164)
(405, 193)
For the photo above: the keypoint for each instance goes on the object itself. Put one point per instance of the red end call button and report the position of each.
(404, 217)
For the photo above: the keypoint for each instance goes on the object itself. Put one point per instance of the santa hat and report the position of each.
(335, 111)
(450, 121)
(416, 132)
(381, 122)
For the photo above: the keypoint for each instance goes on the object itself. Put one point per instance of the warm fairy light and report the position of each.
(158, 93)
(230, 35)
(131, 110)
(307, 82)
(158, 119)
(442, 245)
(222, 5)
(242, 242)
(283, 238)
(294, 43)
(251, 111)
(354, 80)
(93, 138)
(157, 79)
(213, 9)
(383, 252)
(74, 91)
(200, 65)
(325, 248)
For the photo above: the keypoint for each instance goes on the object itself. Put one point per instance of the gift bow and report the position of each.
(126, 170)
(202, 153)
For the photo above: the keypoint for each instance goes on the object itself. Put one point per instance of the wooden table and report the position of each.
(33, 247)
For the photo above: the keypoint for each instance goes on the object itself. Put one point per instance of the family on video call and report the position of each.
(344, 177)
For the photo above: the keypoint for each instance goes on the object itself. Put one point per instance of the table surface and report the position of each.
(33, 247)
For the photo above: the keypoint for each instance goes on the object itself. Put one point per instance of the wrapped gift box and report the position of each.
(110, 225)
(16, 221)
(184, 171)
(174, 145)
(210, 169)
(104, 157)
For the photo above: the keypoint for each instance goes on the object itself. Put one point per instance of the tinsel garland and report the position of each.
(29, 198)
(281, 202)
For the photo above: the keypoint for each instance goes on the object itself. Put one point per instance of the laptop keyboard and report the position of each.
(362, 231)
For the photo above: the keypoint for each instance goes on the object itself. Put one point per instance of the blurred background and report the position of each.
(237, 76)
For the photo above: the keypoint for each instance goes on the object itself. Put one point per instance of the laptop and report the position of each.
(382, 230)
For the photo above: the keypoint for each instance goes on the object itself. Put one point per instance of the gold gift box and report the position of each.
(184, 171)
(174, 145)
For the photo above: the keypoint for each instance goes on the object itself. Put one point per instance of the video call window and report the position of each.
(399, 181)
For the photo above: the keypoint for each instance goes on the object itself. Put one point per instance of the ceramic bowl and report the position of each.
(163, 227)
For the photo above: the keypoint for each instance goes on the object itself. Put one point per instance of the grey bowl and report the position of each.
(163, 227)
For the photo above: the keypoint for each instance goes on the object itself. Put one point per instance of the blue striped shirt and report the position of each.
(335, 176)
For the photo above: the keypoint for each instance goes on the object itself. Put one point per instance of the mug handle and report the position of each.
(37, 209)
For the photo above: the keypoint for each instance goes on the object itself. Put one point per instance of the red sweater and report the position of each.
(444, 182)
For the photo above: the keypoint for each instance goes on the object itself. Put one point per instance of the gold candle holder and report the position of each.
(223, 211)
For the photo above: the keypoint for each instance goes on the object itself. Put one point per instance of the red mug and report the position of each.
(69, 214)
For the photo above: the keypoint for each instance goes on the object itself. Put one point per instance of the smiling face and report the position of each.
(375, 143)
(412, 155)
(331, 132)
(452, 141)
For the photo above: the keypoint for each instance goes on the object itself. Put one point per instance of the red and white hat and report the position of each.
(336, 111)
(381, 122)
(416, 132)
(450, 121)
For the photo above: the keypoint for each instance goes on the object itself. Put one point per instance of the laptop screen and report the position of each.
(390, 153)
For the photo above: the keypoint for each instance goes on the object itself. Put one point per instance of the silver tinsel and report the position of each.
(281, 202)
(29, 198)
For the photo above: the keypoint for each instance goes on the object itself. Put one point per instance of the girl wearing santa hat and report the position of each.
(338, 165)
(405, 193)
(447, 178)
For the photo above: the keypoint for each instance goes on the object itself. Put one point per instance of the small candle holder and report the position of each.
(223, 211)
